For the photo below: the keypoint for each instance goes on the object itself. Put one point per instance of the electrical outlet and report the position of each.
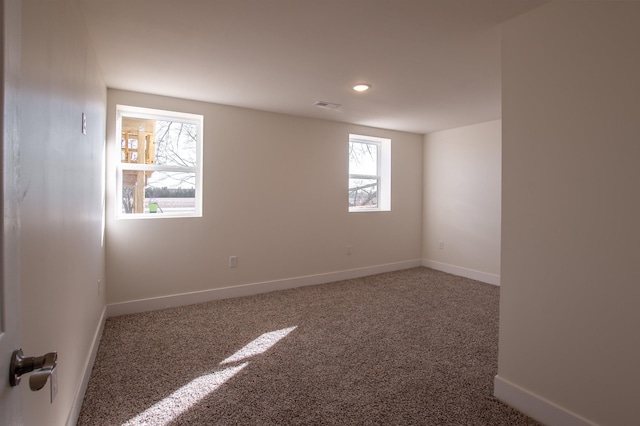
(233, 261)
(347, 250)
(441, 245)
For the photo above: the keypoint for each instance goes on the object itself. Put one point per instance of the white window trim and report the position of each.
(156, 114)
(383, 175)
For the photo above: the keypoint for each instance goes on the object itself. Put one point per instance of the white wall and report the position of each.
(571, 213)
(61, 173)
(462, 172)
(275, 195)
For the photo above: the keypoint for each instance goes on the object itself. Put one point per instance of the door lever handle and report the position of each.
(39, 378)
(43, 365)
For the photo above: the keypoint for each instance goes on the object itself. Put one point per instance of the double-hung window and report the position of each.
(160, 169)
(369, 173)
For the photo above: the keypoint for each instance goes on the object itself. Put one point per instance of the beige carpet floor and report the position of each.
(414, 347)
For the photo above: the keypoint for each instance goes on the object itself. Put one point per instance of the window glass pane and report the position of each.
(137, 140)
(363, 193)
(176, 143)
(161, 142)
(129, 148)
(158, 192)
(363, 158)
(133, 191)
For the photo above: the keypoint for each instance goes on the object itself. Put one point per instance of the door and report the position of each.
(10, 21)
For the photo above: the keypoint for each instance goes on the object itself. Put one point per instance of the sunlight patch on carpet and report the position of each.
(259, 345)
(171, 407)
(181, 400)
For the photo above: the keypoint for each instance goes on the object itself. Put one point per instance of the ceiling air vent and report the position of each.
(328, 105)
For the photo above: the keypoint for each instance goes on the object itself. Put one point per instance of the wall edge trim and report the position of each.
(74, 413)
(181, 299)
(535, 406)
(485, 277)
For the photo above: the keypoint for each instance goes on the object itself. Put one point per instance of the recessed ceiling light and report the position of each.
(362, 87)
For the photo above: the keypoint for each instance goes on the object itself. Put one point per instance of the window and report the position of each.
(369, 173)
(160, 168)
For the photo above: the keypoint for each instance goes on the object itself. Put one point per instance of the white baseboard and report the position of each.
(72, 419)
(463, 272)
(152, 304)
(534, 406)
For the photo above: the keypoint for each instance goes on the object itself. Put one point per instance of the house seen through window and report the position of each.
(160, 169)
(369, 173)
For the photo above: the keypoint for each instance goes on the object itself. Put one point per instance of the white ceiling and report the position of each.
(433, 64)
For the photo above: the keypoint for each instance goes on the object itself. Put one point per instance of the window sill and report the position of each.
(361, 210)
(156, 216)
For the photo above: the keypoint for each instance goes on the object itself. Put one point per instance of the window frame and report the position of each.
(157, 114)
(382, 176)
